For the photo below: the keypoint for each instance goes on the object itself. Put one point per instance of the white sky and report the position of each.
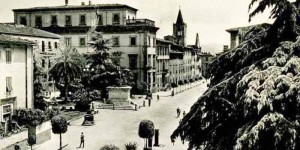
(209, 18)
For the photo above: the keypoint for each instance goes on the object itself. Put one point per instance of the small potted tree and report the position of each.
(180, 83)
(173, 85)
(146, 131)
(59, 126)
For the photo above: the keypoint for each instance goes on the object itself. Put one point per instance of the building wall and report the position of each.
(21, 72)
(206, 60)
(162, 65)
(176, 72)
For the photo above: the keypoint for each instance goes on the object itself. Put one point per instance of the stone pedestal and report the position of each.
(120, 96)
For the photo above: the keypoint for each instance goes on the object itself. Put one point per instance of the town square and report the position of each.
(150, 75)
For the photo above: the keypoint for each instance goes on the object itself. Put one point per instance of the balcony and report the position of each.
(139, 22)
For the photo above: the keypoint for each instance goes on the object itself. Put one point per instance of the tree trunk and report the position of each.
(60, 142)
(31, 147)
(66, 82)
(146, 143)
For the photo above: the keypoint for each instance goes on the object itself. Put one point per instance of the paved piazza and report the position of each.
(119, 127)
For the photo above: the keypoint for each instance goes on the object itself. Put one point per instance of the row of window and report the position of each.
(49, 46)
(68, 20)
(161, 50)
(82, 41)
(116, 41)
(8, 56)
(44, 63)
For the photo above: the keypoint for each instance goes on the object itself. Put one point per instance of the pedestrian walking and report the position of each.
(157, 97)
(178, 112)
(172, 94)
(81, 140)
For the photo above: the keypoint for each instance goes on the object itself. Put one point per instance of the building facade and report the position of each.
(76, 22)
(163, 64)
(16, 76)
(206, 59)
(44, 48)
(136, 38)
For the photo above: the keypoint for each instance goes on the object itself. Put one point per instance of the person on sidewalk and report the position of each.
(178, 112)
(172, 94)
(157, 97)
(81, 140)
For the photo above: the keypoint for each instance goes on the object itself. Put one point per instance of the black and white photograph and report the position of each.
(150, 74)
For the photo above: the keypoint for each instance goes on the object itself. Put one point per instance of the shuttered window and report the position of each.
(8, 84)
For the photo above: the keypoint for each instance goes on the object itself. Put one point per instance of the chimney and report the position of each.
(225, 48)
(66, 2)
(90, 2)
(82, 3)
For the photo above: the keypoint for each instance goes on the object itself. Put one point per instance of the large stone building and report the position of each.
(118, 23)
(16, 76)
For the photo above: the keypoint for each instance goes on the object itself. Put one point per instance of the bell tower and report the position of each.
(179, 30)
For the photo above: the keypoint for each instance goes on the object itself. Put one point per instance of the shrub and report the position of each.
(180, 82)
(131, 146)
(173, 85)
(29, 117)
(109, 147)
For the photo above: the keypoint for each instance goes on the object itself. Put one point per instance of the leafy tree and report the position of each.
(83, 100)
(116, 58)
(29, 117)
(59, 126)
(174, 85)
(146, 130)
(180, 83)
(67, 67)
(38, 85)
(106, 71)
(253, 100)
(100, 56)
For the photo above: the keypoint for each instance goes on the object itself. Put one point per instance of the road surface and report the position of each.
(119, 127)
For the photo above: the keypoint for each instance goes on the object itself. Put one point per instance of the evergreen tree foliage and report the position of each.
(253, 101)
(106, 67)
(38, 85)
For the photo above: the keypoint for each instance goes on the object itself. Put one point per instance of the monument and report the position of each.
(120, 96)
